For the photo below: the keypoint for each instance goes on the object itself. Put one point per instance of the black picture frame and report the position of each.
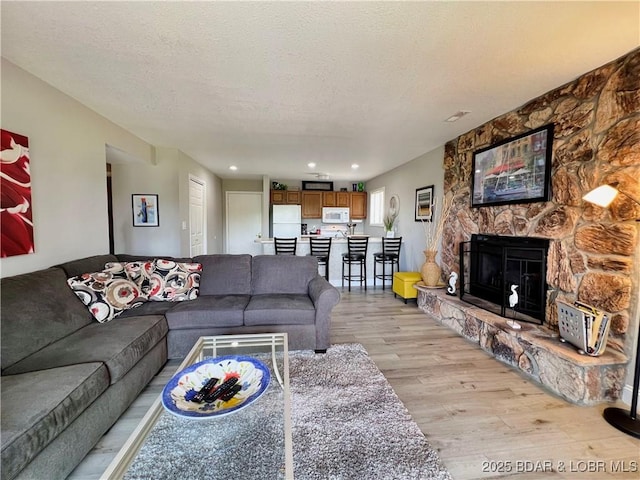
(323, 186)
(424, 204)
(144, 209)
(515, 170)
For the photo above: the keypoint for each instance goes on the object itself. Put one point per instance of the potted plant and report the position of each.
(388, 221)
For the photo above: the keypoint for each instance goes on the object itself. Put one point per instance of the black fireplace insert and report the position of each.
(493, 267)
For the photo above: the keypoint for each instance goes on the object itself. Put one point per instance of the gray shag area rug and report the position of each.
(347, 422)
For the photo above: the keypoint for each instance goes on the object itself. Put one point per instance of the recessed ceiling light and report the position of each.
(233, 167)
(311, 165)
(355, 165)
(457, 116)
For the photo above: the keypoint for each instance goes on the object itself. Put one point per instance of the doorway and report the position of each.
(243, 222)
(197, 216)
(110, 210)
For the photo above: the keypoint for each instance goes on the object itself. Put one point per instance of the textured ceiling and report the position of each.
(271, 86)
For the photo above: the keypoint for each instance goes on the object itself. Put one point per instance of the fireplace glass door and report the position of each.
(494, 267)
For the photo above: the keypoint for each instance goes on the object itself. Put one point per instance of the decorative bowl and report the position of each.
(252, 374)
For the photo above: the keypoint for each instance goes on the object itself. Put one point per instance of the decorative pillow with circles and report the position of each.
(174, 281)
(138, 272)
(107, 294)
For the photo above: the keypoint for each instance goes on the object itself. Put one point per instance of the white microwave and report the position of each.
(335, 215)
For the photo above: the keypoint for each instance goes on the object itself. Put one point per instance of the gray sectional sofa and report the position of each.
(67, 378)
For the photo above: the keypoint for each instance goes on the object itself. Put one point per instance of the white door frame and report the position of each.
(193, 178)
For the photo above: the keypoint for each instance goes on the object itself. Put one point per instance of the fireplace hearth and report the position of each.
(490, 265)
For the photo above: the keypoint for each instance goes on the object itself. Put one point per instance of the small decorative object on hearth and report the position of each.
(627, 422)
(513, 303)
(451, 289)
(430, 270)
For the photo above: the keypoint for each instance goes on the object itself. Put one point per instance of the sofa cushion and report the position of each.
(149, 308)
(225, 274)
(38, 308)
(38, 406)
(282, 273)
(280, 309)
(174, 281)
(107, 294)
(87, 264)
(120, 344)
(209, 311)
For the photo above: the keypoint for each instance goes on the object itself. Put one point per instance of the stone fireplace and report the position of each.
(492, 264)
(593, 253)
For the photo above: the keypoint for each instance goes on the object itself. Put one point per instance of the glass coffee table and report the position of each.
(253, 442)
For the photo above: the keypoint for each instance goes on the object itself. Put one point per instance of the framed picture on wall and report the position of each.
(424, 204)
(145, 210)
(516, 170)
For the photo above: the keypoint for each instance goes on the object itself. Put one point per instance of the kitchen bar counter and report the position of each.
(334, 240)
(338, 247)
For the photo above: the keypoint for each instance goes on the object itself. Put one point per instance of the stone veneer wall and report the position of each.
(593, 251)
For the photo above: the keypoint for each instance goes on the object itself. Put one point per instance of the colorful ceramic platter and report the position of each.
(252, 374)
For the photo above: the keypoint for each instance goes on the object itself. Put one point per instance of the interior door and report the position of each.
(196, 217)
(244, 222)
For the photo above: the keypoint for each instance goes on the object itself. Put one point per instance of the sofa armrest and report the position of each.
(324, 297)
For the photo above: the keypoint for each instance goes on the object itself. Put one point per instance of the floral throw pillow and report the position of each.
(106, 294)
(174, 281)
(138, 272)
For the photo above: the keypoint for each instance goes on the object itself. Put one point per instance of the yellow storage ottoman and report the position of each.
(403, 284)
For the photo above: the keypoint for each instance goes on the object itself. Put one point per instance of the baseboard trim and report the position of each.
(627, 392)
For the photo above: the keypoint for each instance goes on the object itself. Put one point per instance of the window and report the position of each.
(376, 207)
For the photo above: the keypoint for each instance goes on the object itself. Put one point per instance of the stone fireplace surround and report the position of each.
(535, 350)
(593, 251)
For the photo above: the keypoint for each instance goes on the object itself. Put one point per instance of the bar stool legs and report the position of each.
(356, 255)
(390, 255)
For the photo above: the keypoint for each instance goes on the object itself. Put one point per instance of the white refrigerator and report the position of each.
(286, 220)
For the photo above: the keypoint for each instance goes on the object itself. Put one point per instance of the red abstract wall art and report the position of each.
(16, 221)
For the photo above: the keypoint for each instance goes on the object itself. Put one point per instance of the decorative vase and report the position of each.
(430, 271)
(391, 234)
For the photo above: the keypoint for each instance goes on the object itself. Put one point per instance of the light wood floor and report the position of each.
(485, 419)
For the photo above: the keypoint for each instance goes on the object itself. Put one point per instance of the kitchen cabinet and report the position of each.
(278, 197)
(285, 197)
(293, 197)
(336, 199)
(343, 199)
(311, 204)
(358, 205)
(329, 199)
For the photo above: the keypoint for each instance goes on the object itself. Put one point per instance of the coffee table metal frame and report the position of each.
(119, 465)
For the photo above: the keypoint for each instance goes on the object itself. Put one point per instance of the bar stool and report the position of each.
(390, 255)
(356, 255)
(320, 248)
(285, 246)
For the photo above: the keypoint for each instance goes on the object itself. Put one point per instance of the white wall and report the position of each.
(161, 178)
(167, 177)
(68, 144)
(403, 181)
(68, 169)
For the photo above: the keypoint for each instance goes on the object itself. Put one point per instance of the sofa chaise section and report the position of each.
(53, 348)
